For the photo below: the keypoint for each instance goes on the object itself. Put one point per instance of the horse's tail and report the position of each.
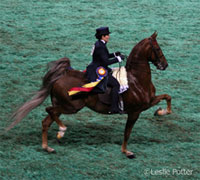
(57, 69)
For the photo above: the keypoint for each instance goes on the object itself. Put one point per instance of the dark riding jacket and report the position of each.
(100, 57)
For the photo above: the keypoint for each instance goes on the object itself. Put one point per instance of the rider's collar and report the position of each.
(103, 41)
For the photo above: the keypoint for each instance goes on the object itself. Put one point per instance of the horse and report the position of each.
(139, 97)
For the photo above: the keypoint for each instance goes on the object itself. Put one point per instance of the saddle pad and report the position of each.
(121, 75)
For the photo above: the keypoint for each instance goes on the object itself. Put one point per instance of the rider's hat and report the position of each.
(102, 31)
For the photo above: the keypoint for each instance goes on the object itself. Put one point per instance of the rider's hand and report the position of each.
(122, 57)
(117, 53)
(119, 58)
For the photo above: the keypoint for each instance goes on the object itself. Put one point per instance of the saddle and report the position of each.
(105, 98)
(121, 75)
(100, 86)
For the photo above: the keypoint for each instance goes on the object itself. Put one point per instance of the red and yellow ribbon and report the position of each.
(101, 73)
(85, 88)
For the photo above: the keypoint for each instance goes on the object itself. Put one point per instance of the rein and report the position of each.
(120, 63)
(157, 62)
(126, 58)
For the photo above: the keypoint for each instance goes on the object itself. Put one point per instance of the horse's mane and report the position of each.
(134, 54)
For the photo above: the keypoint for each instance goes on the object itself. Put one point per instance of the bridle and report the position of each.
(157, 61)
(154, 50)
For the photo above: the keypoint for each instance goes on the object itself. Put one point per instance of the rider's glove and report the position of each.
(117, 53)
(119, 58)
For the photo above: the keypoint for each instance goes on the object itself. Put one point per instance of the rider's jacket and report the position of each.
(100, 57)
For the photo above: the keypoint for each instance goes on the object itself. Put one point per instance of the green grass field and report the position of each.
(33, 33)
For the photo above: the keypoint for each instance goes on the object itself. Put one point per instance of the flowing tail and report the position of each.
(57, 69)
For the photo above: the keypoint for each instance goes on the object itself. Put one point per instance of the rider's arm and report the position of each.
(111, 55)
(104, 56)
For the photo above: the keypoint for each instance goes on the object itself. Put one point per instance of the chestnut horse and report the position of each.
(139, 97)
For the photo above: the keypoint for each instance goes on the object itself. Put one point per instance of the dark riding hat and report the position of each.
(102, 31)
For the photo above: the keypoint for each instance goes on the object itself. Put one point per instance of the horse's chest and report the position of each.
(141, 94)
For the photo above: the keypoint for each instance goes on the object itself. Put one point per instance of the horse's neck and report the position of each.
(137, 63)
(138, 66)
(140, 76)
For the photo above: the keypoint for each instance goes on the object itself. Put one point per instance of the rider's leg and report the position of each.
(113, 83)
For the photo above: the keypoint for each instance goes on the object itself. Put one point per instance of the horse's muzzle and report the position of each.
(162, 66)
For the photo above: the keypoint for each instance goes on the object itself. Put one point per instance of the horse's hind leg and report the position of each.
(55, 112)
(159, 98)
(46, 123)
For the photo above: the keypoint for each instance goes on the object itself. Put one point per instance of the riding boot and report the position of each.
(115, 100)
(113, 83)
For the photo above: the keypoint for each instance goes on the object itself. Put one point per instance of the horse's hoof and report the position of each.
(132, 156)
(60, 134)
(53, 152)
(156, 112)
(49, 150)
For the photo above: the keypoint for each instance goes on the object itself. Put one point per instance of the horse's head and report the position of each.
(156, 55)
(145, 51)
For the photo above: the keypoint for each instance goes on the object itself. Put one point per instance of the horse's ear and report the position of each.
(154, 35)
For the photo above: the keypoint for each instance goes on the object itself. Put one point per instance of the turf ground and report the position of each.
(33, 33)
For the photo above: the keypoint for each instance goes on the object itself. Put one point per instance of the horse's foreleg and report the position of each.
(132, 118)
(46, 123)
(159, 98)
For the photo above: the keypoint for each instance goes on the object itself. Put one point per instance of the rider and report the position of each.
(101, 57)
